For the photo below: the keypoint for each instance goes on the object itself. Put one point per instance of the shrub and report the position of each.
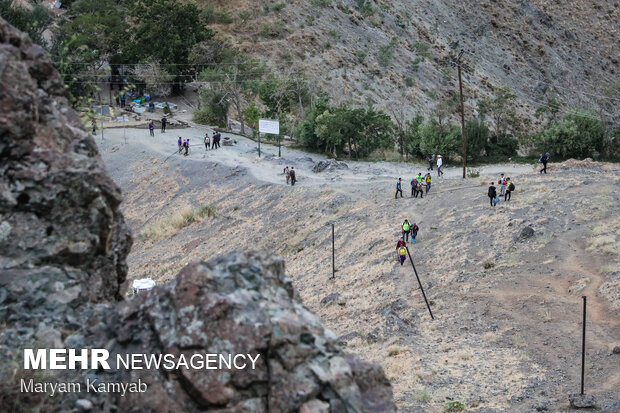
(502, 146)
(454, 406)
(206, 116)
(321, 3)
(415, 66)
(422, 49)
(386, 53)
(361, 55)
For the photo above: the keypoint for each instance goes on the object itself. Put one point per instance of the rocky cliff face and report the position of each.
(63, 245)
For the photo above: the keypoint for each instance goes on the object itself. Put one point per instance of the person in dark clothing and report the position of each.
(414, 231)
(151, 128)
(293, 177)
(544, 159)
(509, 188)
(430, 159)
(122, 99)
(492, 193)
(164, 122)
(180, 143)
(399, 188)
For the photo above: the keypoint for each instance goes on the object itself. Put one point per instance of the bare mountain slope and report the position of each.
(568, 50)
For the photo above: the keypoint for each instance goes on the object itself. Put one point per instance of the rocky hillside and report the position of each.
(63, 249)
(397, 53)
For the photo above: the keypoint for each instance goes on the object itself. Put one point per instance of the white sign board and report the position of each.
(269, 126)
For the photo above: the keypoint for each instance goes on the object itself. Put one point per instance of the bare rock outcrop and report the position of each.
(240, 305)
(63, 245)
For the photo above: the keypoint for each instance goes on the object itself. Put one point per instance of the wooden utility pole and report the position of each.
(460, 64)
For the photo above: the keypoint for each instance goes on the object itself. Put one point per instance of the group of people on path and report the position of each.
(418, 185)
(183, 145)
(213, 142)
(289, 174)
(407, 229)
(506, 187)
(431, 161)
(164, 122)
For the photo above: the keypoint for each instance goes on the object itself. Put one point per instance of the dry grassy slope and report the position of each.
(540, 48)
(503, 338)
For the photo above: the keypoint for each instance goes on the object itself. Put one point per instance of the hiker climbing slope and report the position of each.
(492, 194)
(399, 188)
(414, 231)
(406, 229)
(544, 159)
(402, 252)
(509, 188)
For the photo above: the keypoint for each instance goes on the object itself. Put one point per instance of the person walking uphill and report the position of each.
(544, 159)
(406, 230)
(402, 252)
(502, 185)
(399, 188)
(292, 174)
(509, 188)
(164, 122)
(439, 164)
(430, 160)
(492, 194)
(428, 181)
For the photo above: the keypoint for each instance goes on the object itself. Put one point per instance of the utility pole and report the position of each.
(460, 64)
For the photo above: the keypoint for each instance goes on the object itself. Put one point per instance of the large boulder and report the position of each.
(63, 239)
(63, 245)
(329, 165)
(242, 304)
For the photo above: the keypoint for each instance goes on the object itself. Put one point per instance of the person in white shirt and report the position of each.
(439, 163)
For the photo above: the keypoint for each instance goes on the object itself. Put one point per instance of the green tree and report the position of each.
(306, 130)
(439, 139)
(32, 21)
(164, 31)
(579, 134)
(501, 109)
(252, 115)
(412, 137)
(477, 134)
(233, 78)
